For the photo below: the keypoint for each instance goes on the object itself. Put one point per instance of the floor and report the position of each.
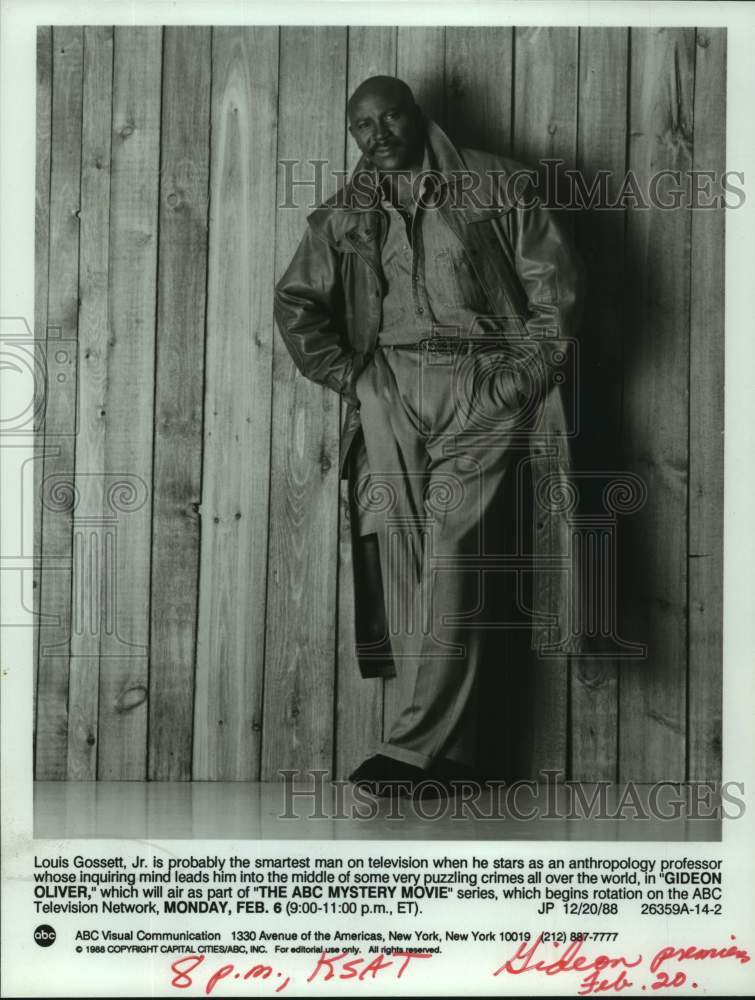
(276, 811)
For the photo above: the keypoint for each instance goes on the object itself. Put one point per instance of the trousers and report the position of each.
(438, 431)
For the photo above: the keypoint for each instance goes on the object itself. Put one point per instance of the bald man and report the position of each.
(423, 292)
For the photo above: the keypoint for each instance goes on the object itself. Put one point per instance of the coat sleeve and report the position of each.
(551, 275)
(306, 308)
(550, 271)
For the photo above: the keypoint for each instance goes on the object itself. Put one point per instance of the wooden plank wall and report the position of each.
(237, 374)
(195, 585)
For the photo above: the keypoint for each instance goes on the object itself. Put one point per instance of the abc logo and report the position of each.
(45, 935)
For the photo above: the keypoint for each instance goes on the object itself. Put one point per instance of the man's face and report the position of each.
(386, 127)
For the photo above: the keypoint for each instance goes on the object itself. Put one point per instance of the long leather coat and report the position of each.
(328, 310)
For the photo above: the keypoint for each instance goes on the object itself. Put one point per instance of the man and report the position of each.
(425, 292)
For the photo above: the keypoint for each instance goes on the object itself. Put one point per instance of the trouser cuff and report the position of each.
(413, 757)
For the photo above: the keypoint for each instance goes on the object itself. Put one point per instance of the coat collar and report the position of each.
(359, 202)
(366, 177)
(362, 192)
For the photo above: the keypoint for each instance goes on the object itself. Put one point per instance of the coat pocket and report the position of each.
(452, 282)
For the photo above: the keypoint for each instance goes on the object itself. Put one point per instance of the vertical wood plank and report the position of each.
(656, 389)
(115, 225)
(235, 481)
(128, 416)
(601, 146)
(41, 263)
(420, 63)
(179, 389)
(545, 94)
(478, 82)
(92, 379)
(301, 644)
(60, 416)
(359, 702)
(545, 113)
(706, 407)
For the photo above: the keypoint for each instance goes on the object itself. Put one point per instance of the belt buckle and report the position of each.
(439, 345)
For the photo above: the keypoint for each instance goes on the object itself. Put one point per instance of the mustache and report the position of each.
(387, 144)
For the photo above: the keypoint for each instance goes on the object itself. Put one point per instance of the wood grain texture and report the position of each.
(41, 265)
(478, 87)
(179, 390)
(420, 62)
(544, 127)
(157, 189)
(235, 485)
(128, 403)
(58, 494)
(301, 641)
(545, 100)
(601, 147)
(652, 723)
(706, 406)
(359, 702)
(91, 459)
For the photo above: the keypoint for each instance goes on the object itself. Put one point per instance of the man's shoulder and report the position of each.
(502, 178)
(321, 220)
(332, 218)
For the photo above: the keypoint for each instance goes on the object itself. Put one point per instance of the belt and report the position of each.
(448, 345)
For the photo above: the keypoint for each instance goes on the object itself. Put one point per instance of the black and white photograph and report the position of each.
(385, 431)
(371, 429)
